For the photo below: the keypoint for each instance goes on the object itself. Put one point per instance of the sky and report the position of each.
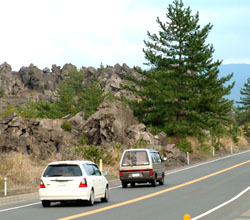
(91, 33)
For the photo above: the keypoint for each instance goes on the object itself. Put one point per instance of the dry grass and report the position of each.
(22, 171)
(205, 151)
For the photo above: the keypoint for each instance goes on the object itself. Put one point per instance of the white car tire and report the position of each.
(106, 195)
(91, 198)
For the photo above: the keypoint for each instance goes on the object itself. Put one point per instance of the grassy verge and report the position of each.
(23, 172)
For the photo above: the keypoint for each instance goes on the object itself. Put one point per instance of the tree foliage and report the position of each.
(244, 108)
(181, 94)
(71, 98)
(91, 98)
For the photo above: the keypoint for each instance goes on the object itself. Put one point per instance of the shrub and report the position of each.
(154, 130)
(185, 146)
(95, 153)
(117, 146)
(10, 109)
(246, 129)
(82, 140)
(101, 68)
(27, 111)
(111, 97)
(31, 71)
(1, 93)
(205, 148)
(140, 144)
(1, 183)
(66, 126)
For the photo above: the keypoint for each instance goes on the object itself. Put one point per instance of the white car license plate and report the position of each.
(62, 184)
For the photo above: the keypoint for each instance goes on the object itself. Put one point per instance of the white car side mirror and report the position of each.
(164, 158)
(104, 173)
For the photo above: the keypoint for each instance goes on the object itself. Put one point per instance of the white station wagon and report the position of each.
(73, 180)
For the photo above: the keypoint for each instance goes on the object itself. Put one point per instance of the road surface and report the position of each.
(194, 190)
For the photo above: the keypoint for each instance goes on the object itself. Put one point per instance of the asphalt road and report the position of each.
(193, 190)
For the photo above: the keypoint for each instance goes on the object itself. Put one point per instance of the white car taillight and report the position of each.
(42, 185)
(83, 183)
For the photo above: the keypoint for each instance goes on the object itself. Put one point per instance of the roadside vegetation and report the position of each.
(72, 96)
(22, 172)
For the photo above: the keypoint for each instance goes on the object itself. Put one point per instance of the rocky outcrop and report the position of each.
(39, 138)
(32, 84)
(112, 123)
(10, 82)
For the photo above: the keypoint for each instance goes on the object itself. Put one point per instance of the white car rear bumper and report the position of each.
(54, 195)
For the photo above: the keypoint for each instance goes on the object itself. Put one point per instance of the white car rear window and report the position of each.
(62, 170)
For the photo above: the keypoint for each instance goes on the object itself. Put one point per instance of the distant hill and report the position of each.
(241, 73)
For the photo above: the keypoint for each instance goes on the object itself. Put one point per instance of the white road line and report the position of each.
(201, 164)
(221, 205)
(115, 187)
(19, 207)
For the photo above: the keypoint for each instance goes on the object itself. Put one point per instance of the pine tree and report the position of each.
(68, 89)
(245, 92)
(75, 80)
(65, 102)
(91, 98)
(181, 93)
(245, 101)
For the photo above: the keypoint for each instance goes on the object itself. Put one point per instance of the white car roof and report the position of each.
(78, 162)
(141, 149)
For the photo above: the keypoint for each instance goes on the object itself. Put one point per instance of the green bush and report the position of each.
(1, 184)
(31, 71)
(66, 126)
(82, 140)
(27, 111)
(246, 129)
(154, 130)
(10, 109)
(185, 146)
(95, 153)
(140, 144)
(101, 68)
(1, 93)
(205, 148)
(117, 146)
(111, 97)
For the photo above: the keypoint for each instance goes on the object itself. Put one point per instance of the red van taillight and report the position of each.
(42, 186)
(121, 174)
(151, 172)
(83, 183)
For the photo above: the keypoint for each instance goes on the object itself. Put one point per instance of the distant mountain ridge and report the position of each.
(241, 73)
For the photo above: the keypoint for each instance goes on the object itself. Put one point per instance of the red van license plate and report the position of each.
(135, 175)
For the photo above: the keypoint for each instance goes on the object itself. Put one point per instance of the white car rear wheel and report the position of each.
(91, 198)
(106, 195)
(46, 203)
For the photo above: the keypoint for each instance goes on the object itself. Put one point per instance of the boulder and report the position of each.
(39, 138)
(77, 119)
